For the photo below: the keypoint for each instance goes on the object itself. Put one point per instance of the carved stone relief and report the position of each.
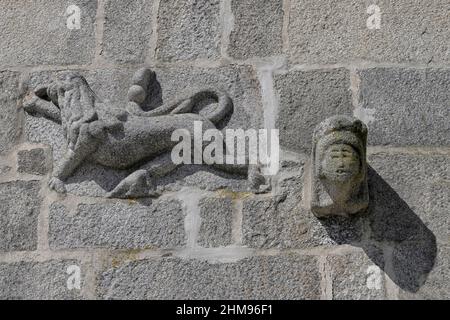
(130, 138)
(339, 168)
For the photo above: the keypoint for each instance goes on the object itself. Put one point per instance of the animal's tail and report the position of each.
(142, 85)
(222, 109)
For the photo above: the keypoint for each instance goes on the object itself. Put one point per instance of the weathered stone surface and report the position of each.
(121, 139)
(32, 161)
(356, 276)
(188, 30)
(42, 36)
(38, 280)
(283, 221)
(4, 169)
(216, 216)
(401, 196)
(9, 120)
(257, 28)
(274, 224)
(306, 98)
(111, 86)
(19, 212)
(421, 271)
(406, 107)
(406, 170)
(278, 277)
(240, 82)
(436, 208)
(127, 30)
(329, 31)
(339, 168)
(119, 225)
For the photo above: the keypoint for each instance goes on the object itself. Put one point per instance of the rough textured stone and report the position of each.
(19, 212)
(111, 87)
(32, 161)
(257, 28)
(282, 221)
(401, 200)
(274, 224)
(330, 31)
(436, 208)
(188, 30)
(422, 274)
(240, 82)
(4, 169)
(38, 280)
(9, 120)
(42, 36)
(133, 139)
(279, 277)
(357, 276)
(339, 168)
(406, 106)
(216, 216)
(127, 30)
(306, 98)
(120, 225)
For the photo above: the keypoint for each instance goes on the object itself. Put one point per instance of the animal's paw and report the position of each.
(136, 185)
(57, 185)
(258, 183)
(29, 104)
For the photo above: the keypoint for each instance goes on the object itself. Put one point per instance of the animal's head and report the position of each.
(67, 89)
(57, 88)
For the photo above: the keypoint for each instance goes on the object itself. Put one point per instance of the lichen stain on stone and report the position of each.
(225, 193)
(127, 256)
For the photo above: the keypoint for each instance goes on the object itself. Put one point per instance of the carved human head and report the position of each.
(339, 174)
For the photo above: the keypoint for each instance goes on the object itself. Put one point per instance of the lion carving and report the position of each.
(134, 138)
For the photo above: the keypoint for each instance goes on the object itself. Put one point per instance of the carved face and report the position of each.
(340, 163)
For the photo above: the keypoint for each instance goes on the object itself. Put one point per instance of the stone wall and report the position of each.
(287, 64)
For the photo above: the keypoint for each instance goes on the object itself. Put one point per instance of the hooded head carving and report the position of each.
(339, 168)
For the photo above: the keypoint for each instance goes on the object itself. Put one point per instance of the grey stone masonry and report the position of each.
(284, 222)
(127, 30)
(329, 31)
(406, 106)
(188, 30)
(9, 117)
(37, 32)
(358, 276)
(306, 98)
(257, 28)
(414, 187)
(92, 91)
(19, 210)
(32, 161)
(280, 277)
(119, 225)
(216, 216)
(418, 283)
(39, 280)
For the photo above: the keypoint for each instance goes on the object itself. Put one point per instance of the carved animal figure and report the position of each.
(131, 138)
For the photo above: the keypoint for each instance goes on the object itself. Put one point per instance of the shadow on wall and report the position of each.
(396, 234)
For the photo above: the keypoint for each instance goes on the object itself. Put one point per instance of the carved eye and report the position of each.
(346, 154)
